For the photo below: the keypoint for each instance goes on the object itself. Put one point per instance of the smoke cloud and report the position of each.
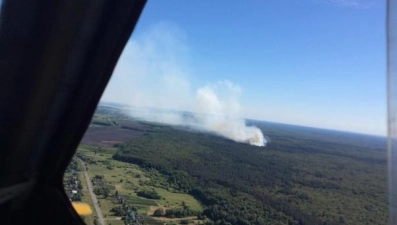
(152, 76)
(221, 115)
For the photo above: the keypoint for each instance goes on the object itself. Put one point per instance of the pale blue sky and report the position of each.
(318, 63)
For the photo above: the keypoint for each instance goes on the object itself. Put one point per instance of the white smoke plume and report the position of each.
(152, 77)
(221, 115)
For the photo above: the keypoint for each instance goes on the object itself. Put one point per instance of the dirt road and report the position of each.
(93, 196)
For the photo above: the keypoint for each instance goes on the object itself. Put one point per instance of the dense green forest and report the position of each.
(303, 176)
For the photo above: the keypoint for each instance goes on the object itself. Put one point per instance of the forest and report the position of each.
(303, 176)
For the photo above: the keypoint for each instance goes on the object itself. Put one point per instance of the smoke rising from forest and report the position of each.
(152, 76)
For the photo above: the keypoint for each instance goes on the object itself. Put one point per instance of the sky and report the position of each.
(318, 63)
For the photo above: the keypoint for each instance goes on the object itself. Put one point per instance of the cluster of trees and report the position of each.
(118, 211)
(127, 212)
(123, 209)
(77, 196)
(183, 212)
(280, 184)
(102, 191)
(70, 182)
(132, 174)
(73, 186)
(151, 194)
(108, 164)
(86, 159)
(103, 121)
(73, 166)
(179, 213)
(99, 177)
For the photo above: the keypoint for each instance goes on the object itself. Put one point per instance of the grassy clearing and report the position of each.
(140, 201)
(176, 199)
(106, 205)
(114, 222)
(127, 179)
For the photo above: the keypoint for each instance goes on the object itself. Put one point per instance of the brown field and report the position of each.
(133, 125)
(108, 136)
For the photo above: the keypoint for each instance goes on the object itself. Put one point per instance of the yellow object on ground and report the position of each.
(82, 209)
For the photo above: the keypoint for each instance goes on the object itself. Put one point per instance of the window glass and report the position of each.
(262, 112)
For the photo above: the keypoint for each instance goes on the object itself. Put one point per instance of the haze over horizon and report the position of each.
(312, 63)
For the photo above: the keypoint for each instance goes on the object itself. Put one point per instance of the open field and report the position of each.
(108, 136)
(127, 179)
(176, 199)
(106, 131)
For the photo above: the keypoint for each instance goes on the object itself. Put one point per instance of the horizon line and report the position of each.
(251, 119)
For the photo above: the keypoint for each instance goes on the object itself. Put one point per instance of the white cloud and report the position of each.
(151, 71)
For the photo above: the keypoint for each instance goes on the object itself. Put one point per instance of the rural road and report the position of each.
(93, 196)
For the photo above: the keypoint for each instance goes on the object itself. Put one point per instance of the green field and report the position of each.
(176, 199)
(127, 179)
